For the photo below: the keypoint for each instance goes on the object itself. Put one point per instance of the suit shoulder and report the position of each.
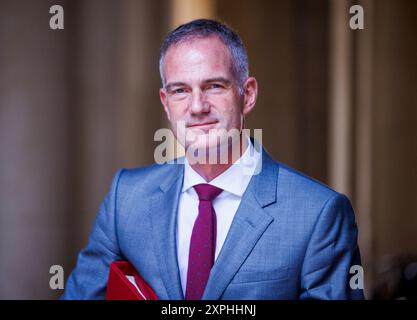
(147, 175)
(303, 186)
(306, 197)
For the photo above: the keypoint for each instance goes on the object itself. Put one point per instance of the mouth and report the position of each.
(203, 125)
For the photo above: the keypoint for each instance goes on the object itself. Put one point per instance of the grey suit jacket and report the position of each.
(291, 238)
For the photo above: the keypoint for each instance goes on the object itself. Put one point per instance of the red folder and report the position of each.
(119, 286)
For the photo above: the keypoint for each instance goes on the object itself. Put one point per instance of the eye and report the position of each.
(214, 86)
(178, 91)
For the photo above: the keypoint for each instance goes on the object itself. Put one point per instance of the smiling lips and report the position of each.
(202, 125)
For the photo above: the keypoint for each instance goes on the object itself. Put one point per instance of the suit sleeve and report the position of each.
(89, 278)
(331, 252)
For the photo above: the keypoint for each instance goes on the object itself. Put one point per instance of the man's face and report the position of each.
(201, 90)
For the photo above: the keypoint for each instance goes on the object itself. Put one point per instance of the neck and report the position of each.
(211, 171)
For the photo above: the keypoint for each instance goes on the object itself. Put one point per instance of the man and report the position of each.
(250, 228)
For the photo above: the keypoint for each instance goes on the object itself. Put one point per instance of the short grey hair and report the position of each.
(202, 28)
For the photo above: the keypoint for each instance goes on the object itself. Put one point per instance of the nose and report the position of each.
(198, 103)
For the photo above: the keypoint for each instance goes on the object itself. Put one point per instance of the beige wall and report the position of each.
(394, 127)
(287, 45)
(75, 105)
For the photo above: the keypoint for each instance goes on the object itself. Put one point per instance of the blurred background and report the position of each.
(76, 104)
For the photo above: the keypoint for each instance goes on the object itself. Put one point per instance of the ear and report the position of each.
(250, 94)
(164, 101)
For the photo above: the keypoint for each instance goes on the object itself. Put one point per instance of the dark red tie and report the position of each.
(203, 242)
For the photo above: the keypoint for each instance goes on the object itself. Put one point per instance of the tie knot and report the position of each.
(207, 191)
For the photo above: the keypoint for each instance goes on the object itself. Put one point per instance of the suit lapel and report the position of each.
(248, 225)
(163, 210)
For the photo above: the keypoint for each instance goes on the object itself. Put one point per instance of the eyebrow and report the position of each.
(174, 84)
(218, 79)
(227, 82)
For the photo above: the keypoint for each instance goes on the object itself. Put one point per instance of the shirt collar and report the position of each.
(234, 180)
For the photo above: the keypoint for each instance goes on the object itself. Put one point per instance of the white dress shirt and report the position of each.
(234, 182)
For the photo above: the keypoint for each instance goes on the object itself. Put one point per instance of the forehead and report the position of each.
(197, 58)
